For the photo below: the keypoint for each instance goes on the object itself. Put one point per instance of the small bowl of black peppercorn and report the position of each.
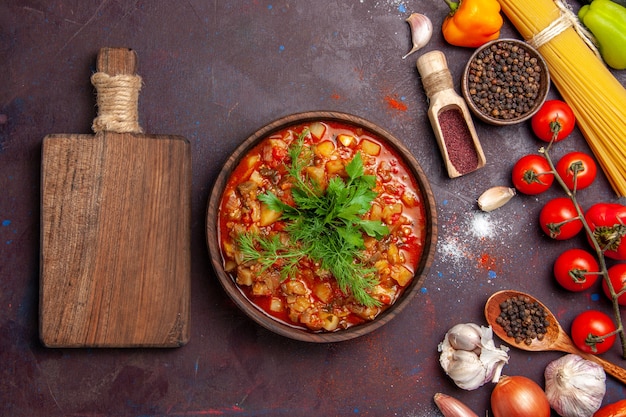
(505, 82)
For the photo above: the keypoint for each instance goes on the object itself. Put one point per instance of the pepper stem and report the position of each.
(453, 5)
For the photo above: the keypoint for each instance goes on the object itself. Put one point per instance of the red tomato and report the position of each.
(616, 409)
(532, 175)
(608, 224)
(617, 275)
(576, 270)
(578, 166)
(591, 324)
(559, 219)
(554, 117)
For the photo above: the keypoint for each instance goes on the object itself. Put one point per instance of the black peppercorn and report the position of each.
(523, 320)
(505, 80)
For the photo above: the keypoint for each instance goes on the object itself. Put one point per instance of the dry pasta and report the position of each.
(595, 95)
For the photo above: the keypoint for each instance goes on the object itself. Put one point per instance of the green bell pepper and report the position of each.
(620, 2)
(607, 21)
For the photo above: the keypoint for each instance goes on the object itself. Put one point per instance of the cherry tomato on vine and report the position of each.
(577, 165)
(553, 114)
(617, 275)
(559, 219)
(608, 224)
(531, 174)
(589, 325)
(576, 270)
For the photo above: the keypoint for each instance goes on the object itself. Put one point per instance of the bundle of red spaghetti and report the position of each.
(581, 77)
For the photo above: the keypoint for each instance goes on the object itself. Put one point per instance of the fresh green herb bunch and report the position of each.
(326, 227)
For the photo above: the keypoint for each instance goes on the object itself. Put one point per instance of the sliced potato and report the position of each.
(276, 305)
(230, 265)
(376, 212)
(256, 177)
(323, 291)
(301, 304)
(268, 216)
(393, 254)
(370, 148)
(324, 149)
(347, 140)
(409, 199)
(250, 162)
(390, 211)
(317, 175)
(382, 266)
(293, 286)
(335, 167)
(401, 274)
(330, 321)
(317, 130)
(244, 276)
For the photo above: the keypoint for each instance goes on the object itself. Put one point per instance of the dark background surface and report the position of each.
(215, 72)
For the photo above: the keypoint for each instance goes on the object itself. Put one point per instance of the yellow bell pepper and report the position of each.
(472, 23)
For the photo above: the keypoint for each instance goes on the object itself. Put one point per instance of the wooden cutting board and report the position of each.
(115, 226)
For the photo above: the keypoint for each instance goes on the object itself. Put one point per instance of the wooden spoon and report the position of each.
(555, 339)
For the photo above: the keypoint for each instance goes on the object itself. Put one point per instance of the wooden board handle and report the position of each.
(116, 61)
(118, 86)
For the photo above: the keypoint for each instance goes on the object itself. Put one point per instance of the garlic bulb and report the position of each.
(421, 31)
(470, 357)
(575, 386)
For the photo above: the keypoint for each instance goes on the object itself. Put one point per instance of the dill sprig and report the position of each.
(326, 227)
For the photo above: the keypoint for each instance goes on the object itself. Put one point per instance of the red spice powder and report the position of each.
(395, 104)
(458, 140)
(486, 261)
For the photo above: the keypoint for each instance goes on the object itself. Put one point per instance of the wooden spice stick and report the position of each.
(450, 118)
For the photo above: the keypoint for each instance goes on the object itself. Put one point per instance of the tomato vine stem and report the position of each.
(599, 252)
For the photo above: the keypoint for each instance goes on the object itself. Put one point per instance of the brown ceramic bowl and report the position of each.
(495, 87)
(256, 313)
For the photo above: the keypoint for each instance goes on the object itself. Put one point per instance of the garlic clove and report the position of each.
(495, 197)
(464, 336)
(421, 31)
(466, 370)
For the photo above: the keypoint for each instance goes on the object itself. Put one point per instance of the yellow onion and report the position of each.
(518, 396)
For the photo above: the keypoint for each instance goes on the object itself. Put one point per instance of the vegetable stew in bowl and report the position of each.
(321, 226)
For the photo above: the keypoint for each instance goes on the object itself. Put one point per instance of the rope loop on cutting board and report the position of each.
(117, 99)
